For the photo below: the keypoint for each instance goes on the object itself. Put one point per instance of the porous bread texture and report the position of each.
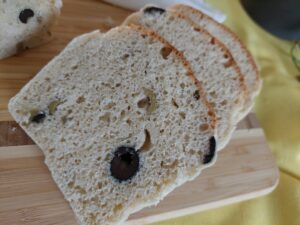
(239, 52)
(16, 36)
(99, 83)
(211, 62)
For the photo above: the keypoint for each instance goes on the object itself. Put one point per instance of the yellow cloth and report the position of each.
(278, 110)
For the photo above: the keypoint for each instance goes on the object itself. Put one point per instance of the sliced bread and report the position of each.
(210, 60)
(121, 120)
(238, 51)
(26, 24)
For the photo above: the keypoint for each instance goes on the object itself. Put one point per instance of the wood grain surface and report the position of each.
(245, 169)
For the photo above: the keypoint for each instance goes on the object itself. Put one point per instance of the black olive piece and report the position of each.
(125, 163)
(196, 95)
(38, 117)
(212, 149)
(25, 14)
(152, 10)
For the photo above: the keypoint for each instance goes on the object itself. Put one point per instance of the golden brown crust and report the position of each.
(232, 34)
(155, 36)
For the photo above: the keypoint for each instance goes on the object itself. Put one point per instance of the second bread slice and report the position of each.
(239, 52)
(211, 62)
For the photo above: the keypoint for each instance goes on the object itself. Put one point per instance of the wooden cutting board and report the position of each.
(245, 169)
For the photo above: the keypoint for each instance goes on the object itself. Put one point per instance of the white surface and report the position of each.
(198, 4)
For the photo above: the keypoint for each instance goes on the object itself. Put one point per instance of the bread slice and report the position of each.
(238, 51)
(211, 62)
(121, 121)
(26, 24)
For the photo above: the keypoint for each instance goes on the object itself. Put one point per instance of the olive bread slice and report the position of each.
(121, 120)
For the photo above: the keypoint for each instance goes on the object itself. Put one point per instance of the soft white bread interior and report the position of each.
(210, 60)
(121, 121)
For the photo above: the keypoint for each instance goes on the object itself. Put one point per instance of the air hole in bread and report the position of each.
(122, 114)
(147, 142)
(105, 118)
(213, 104)
(213, 94)
(197, 29)
(106, 85)
(128, 121)
(71, 184)
(77, 161)
(80, 99)
(107, 157)
(182, 85)
(125, 57)
(182, 115)
(210, 113)
(74, 67)
(204, 127)
(175, 103)
(223, 103)
(158, 186)
(99, 185)
(229, 63)
(110, 105)
(166, 51)
(169, 165)
(226, 56)
(143, 103)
